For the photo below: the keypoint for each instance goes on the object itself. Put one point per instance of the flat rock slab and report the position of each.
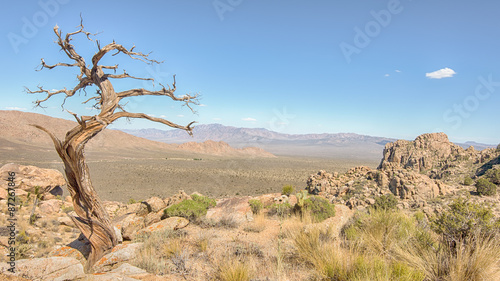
(108, 277)
(53, 268)
(120, 253)
(236, 208)
(172, 223)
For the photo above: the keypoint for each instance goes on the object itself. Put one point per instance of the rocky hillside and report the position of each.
(427, 169)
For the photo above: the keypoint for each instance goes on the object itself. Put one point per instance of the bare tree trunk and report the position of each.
(92, 219)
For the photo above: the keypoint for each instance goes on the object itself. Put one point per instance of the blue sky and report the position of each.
(383, 68)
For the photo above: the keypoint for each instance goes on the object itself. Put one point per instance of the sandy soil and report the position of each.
(134, 174)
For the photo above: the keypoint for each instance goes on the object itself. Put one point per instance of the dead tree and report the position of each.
(92, 219)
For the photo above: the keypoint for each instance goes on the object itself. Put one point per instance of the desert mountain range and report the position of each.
(16, 130)
(339, 145)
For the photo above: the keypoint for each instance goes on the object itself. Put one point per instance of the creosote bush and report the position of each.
(280, 209)
(485, 187)
(464, 219)
(493, 175)
(385, 202)
(256, 206)
(191, 209)
(319, 207)
(468, 181)
(287, 190)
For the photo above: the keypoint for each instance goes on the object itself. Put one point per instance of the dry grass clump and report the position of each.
(231, 269)
(258, 224)
(477, 259)
(329, 260)
(163, 252)
(388, 245)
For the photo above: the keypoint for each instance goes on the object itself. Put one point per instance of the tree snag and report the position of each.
(92, 219)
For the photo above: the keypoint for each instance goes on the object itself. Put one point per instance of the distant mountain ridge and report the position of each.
(341, 145)
(17, 131)
(218, 132)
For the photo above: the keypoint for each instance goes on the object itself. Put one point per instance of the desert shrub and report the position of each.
(477, 260)
(498, 148)
(493, 175)
(382, 232)
(464, 219)
(386, 202)
(190, 209)
(132, 201)
(468, 181)
(228, 221)
(485, 187)
(331, 261)
(209, 202)
(287, 190)
(281, 210)
(320, 208)
(256, 205)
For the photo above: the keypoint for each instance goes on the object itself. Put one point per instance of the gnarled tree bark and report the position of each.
(92, 219)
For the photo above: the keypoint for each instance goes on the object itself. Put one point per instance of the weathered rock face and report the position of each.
(53, 268)
(172, 223)
(119, 254)
(155, 204)
(320, 182)
(410, 185)
(130, 225)
(177, 198)
(28, 177)
(237, 209)
(427, 151)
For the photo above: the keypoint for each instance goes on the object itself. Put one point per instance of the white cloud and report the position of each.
(217, 119)
(180, 115)
(442, 73)
(387, 75)
(201, 104)
(14, 108)
(163, 116)
(249, 119)
(397, 70)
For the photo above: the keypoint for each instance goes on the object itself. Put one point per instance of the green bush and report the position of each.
(256, 205)
(498, 148)
(493, 175)
(485, 187)
(319, 207)
(287, 190)
(210, 202)
(468, 181)
(281, 210)
(385, 202)
(465, 219)
(190, 209)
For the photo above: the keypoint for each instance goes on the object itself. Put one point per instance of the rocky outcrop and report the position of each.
(29, 177)
(427, 151)
(416, 171)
